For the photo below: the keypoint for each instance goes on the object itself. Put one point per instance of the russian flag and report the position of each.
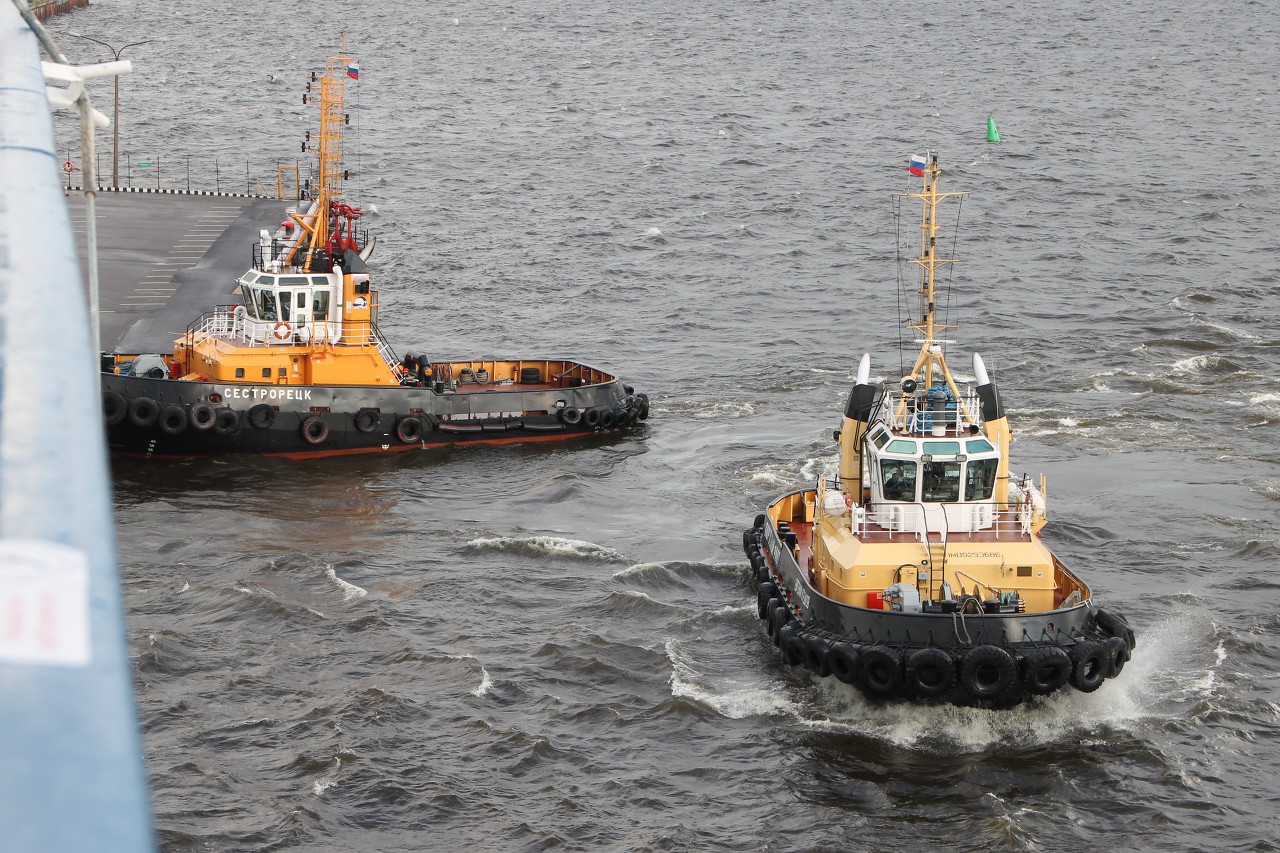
(916, 165)
(353, 71)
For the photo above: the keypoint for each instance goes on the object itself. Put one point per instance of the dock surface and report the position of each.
(165, 259)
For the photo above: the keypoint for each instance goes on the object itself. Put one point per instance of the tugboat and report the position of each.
(300, 369)
(916, 571)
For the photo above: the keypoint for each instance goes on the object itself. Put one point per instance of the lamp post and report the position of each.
(115, 118)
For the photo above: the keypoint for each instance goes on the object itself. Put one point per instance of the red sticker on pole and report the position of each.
(68, 167)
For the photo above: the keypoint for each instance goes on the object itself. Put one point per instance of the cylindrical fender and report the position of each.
(764, 592)
(816, 653)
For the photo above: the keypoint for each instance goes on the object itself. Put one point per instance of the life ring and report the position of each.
(1045, 670)
(226, 421)
(848, 500)
(764, 592)
(114, 408)
(201, 416)
(367, 420)
(930, 672)
(1116, 652)
(987, 672)
(68, 166)
(409, 430)
(880, 671)
(571, 415)
(315, 430)
(261, 416)
(592, 417)
(173, 420)
(1088, 666)
(282, 331)
(843, 660)
(239, 313)
(143, 411)
(816, 652)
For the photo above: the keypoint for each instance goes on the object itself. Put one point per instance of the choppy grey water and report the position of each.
(556, 648)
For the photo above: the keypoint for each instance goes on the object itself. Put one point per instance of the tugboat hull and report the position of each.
(989, 660)
(179, 419)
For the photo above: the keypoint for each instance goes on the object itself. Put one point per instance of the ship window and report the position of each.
(899, 479)
(266, 305)
(902, 446)
(250, 297)
(286, 300)
(880, 438)
(284, 371)
(319, 281)
(978, 445)
(293, 280)
(941, 481)
(266, 373)
(320, 304)
(980, 479)
(239, 373)
(942, 448)
(302, 299)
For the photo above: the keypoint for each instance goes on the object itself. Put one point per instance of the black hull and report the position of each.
(989, 660)
(316, 421)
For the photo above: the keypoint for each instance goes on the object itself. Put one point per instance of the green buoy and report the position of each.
(993, 135)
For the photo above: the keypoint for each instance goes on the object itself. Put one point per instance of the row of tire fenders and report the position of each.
(173, 419)
(987, 675)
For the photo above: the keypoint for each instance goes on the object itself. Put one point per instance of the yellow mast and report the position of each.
(931, 356)
(328, 149)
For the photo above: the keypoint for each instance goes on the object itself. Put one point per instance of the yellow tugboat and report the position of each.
(300, 368)
(917, 571)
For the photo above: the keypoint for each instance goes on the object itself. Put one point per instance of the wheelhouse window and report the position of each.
(266, 304)
(941, 482)
(898, 477)
(980, 479)
(320, 304)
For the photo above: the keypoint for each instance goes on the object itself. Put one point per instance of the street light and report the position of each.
(115, 118)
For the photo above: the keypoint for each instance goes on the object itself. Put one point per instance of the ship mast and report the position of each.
(931, 364)
(316, 225)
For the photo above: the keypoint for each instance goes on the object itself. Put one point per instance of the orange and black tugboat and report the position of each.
(916, 571)
(300, 369)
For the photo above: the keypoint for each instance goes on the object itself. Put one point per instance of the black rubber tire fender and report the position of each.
(988, 672)
(791, 643)
(201, 416)
(930, 672)
(880, 671)
(591, 417)
(409, 430)
(816, 655)
(778, 617)
(644, 406)
(608, 419)
(843, 660)
(367, 420)
(1115, 625)
(750, 539)
(143, 411)
(571, 415)
(1045, 669)
(173, 420)
(764, 592)
(226, 421)
(1088, 666)
(114, 408)
(1116, 652)
(261, 416)
(315, 430)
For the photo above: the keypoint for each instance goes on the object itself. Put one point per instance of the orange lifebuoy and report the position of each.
(848, 500)
(283, 331)
(68, 167)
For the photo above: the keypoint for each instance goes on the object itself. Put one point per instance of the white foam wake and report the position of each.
(350, 592)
